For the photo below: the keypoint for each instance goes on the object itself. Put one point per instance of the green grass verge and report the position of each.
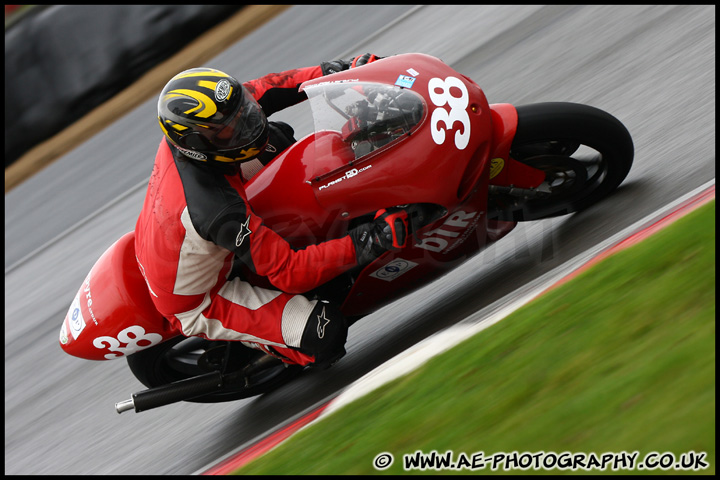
(622, 358)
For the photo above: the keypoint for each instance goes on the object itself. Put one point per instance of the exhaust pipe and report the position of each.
(195, 386)
(172, 393)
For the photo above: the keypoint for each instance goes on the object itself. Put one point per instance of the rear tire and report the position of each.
(184, 357)
(585, 152)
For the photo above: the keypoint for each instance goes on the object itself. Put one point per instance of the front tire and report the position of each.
(585, 152)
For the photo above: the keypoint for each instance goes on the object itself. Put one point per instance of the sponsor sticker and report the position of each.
(349, 174)
(75, 319)
(63, 335)
(393, 270)
(222, 90)
(405, 81)
(496, 166)
(193, 154)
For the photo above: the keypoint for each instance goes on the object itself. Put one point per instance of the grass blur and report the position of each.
(622, 358)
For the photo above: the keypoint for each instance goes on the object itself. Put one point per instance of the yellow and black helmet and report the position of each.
(210, 116)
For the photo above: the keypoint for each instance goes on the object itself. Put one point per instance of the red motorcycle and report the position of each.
(405, 131)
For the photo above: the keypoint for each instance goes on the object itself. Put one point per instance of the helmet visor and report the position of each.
(244, 128)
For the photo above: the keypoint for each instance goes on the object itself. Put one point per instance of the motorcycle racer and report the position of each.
(196, 221)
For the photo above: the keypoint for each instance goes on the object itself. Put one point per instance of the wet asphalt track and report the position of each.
(651, 66)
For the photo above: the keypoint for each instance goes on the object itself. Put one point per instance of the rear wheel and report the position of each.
(184, 357)
(585, 152)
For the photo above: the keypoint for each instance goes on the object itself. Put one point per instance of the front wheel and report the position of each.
(585, 153)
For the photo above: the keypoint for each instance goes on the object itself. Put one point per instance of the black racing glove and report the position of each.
(335, 66)
(387, 232)
(361, 60)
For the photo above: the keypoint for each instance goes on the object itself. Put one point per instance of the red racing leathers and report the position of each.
(196, 220)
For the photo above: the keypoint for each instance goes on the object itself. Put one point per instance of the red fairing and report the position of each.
(112, 315)
(283, 196)
(317, 187)
(504, 170)
(445, 157)
(330, 189)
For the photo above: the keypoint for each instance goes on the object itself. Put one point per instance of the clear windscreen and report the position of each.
(365, 116)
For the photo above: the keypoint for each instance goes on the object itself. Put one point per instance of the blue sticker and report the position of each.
(405, 81)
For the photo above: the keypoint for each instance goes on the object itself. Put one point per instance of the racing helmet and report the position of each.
(210, 117)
